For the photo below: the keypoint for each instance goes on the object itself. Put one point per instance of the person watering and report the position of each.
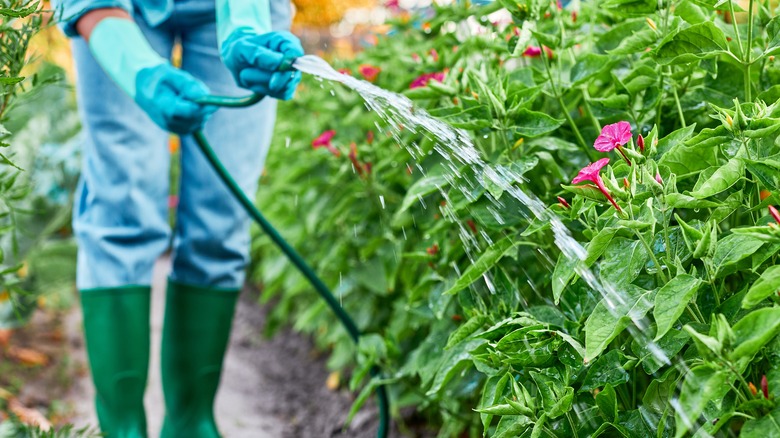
(130, 97)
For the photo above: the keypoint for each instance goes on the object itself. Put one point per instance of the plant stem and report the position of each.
(749, 52)
(571, 424)
(677, 102)
(652, 257)
(559, 98)
(585, 99)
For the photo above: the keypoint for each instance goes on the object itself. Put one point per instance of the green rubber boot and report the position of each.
(195, 337)
(116, 325)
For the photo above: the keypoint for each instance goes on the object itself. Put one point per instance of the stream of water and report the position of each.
(457, 149)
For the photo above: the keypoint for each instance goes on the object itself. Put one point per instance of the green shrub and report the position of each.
(466, 301)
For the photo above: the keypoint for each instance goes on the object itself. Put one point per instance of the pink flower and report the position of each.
(173, 201)
(345, 71)
(423, 80)
(640, 141)
(434, 54)
(775, 214)
(658, 178)
(613, 137)
(369, 72)
(415, 57)
(324, 140)
(591, 173)
(533, 52)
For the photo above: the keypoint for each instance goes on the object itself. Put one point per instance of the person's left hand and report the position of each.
(254, 60)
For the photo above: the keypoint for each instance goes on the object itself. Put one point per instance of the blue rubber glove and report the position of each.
(254, 60)
(164, 92)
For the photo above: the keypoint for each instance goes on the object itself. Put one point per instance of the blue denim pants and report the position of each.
(121, 211)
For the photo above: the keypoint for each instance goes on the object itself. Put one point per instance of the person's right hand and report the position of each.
(168, 95)
(254, 60)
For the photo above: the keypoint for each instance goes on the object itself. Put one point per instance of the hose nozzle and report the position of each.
(287, 63)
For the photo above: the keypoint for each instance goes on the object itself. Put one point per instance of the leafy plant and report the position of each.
(666, 326)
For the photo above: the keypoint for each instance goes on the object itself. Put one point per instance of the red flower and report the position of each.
(324, 140)
(775, 214)
(369, 72)
(472, 226)
(765, 386)
(433, 250)
(613, 137)
(423, 79)
(563, 202)
(640, 142)
(370, 137)
(591, 173)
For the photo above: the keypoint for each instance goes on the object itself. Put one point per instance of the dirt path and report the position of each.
(270, 387)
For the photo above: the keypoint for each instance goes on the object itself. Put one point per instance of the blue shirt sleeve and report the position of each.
(68, 12)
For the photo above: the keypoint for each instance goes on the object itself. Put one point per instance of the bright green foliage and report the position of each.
(474, 314)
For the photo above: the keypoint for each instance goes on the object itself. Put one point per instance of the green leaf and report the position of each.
(698, 153)
(464, 331)
(454, 362)
(502, 409)
(674, 139)
(733, 248)
(622, 261)
(692, 43)
(422, 187)
(533, 123)
(723, 178)
(671, 300)
(492, 392)
(702, 384)
(680, 200)
(586, 191)
(606, 400)
(609, 320)
(629, 8)
(562, 275)
(589, 65)
(607, 370)
(754, 330)
(767, 426)
(768, 171)
(598, 244)
(487, 260)
(768, 284)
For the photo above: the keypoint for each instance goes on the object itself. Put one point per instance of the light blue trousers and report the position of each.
(121, 211)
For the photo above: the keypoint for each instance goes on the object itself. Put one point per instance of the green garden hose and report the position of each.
(286, 248)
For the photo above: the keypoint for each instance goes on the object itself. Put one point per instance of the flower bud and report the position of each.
(775, 214)
(651, 23)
